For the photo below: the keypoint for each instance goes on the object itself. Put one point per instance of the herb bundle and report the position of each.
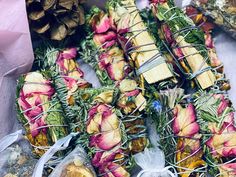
(40, 111)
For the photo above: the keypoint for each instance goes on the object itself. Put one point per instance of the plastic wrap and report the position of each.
(16, 157)
(59, 146)
(75, 164)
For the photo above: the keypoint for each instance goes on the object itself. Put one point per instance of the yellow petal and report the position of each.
(110, 123)
(105, 97)
(94, 124)
(127, 85)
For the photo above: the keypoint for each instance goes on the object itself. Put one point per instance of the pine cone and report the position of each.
(55, 19)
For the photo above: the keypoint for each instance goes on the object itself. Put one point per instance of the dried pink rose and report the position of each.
(124, 24)
(33, 101)
(209, 41)
(228, 170)
(184, 123)
(169, 38)
(178, 52)
(97, 115)
(132, 93)
(69, 69)
(104, 61)
(101, 158)
(224, 103)
(113, 170)
(99, 108)
(100, 23)
(114, 63)
(109, 123)
(37, 84)
(168, 34)
(104, 124)
(105, 40)
(223, 143)
(67, 54)
(106, 140)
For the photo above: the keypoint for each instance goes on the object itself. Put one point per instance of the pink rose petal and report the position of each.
(102, 158)
(109, 38)
(102, 23)
(106, 140)
(113, 170)
(184, 123)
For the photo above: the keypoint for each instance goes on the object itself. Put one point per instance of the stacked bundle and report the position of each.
(204, 23)
(216, 119)
(177, 122)
(51, 108)
(139, 44)
(222, 12)
(113, 69)
(105, 136)
(201, 129)
(108, 137)
(179, 130)
(40, 111)
(186, 43)
(68, 79)
(101, 49)
(107, 119)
